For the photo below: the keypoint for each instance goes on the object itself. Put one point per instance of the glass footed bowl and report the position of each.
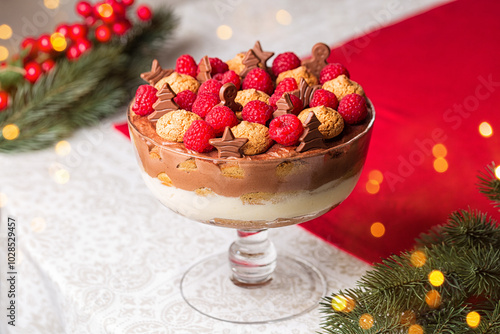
(251, 194)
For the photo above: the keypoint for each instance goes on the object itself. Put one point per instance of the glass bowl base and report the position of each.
(296, 287)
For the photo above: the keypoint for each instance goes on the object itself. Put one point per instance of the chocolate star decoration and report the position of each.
(228, 146)
(227, 95)
(250, 61)
(205, 70)
(284, 104)
(320, 53)
(305, 92)
(164, 104)
(156, 73)
(262, 55)
(312, 137)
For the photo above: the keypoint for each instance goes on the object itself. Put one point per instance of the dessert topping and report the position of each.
(342, 86)
(228, 145)
(312, 137)
(306, 92)
(164, 104)
(257, 135)
(250, 61)
(228, 94)
(185, 99)
(173, 125)
(186, 64)
(210, 86)
(221, 117)
(145, 97)
(332, 123)
(284, 62)
(325, 98)
(204, 70)
(230, 77)
(286, 130)
(259, 79)
(320, 53)
(156, 73)
(284, 105)
(331, 71)
(262, 55)
(198, 135)
(204, 103)
(353, 108)
(257, 112)
(297, 74)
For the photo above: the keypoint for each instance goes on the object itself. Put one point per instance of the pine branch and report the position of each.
(489, 184)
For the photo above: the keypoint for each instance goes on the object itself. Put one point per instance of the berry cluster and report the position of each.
(260, 94)
(101, 22)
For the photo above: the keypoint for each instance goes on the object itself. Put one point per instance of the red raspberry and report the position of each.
(331, 71)
(325, 98)
(210, 86)
(286, 129)
(231, 76)
(257, 112)
(218, 66)
(145, 97)
(220, 117)
(185, 99)
(198, 135)
(204, 103)
(259, 79)
(353, 108)
(298, 106)
(285, 62)
(286, 85)
(186, 64)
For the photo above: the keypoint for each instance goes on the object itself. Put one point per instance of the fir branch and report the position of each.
(489, 184)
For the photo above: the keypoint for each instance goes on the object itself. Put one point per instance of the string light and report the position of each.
(377, 229)
(372, 187)
(366, 321)
(433, 298)
(224, 32)
(5, 31)
(439, 151)
(415, 329)
(10, 131)
(440, 165)
(4, 53)
(436, 278)
(485, 129)
(283, 17)
(58, 41)
(51, 4)
(376, 175)
(418, 258)
(343, 304)
(63, 148)
(105, 10)
(473, 319)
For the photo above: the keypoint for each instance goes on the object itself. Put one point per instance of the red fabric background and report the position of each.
(433, 78)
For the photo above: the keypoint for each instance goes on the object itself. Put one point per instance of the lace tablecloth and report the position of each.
(96, 253)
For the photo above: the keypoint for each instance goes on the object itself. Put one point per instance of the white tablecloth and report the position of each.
(96, 253)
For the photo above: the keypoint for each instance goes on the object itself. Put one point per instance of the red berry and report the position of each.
(119, 9)
(257, 112)
(144, 13)
(127, 3)
(44, 44)
(298, 106)
(73, 53)
(83, 45)
(83, 8)
(198, 135)
(90, 21)
(77, 31)
(103, 33)
(286, 129)
(120, 28)
(284, 62)
(331, 71)
(48, 64)
(353, 108)
(4, 99)
(286, 85)
(186, 64)
(185, 99)
(32, 44)
(322, 97)
(204, 103)
(33, 71)
(210, 86)
(220, 117)
(63, 29)
(259, 79)
(232, 77)
(218, 66)
(145, 97)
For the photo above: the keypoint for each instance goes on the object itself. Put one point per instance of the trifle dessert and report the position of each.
(249, 145)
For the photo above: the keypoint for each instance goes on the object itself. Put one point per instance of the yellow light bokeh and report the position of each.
(415, 329)
(63, 148)
(376, 175)
(4, 53)
(58, 41)
(5, 31)
(339, 303)
(38, 224)
(105, 10)
(377, 229)
(440, 165)
(366, 321)
(436, 278)
(61, 176)
(224, 32)
(439, 151)
(372, 187)
(10, 131)
(418, 258)
(283, 17)
(433, 299)
(51, 4)
(485, 129)
(473, 319)
(3, 200)
(497, 172)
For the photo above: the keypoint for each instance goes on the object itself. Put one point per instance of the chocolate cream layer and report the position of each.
(280, 169)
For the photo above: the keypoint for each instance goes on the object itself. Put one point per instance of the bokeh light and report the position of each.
(439, 151)
(4, 53)
(473, 319)
(58, 41)
(343, 304)
(440, 165)
(485, 129)
(418, 258)
(372, 187)
(10, 131)
(51, 4)
(433, 298)
(38, 224)
(5, 31)
(415, 329)
(3, 200)
(436, 278)
(224, 32)
(63, 148)
(283, 17)
(376, 175)
(408, 318)
(366, 321)
(105, 10)
(377, 229)
(497, 172)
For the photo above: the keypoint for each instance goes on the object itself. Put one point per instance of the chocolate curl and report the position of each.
(320, 53)
(205, 70)
(250, 61)
(312, 137)
(305, 92)
(156, 73)
(227, 96)
(228, 146)
(262, 55)
(284, 105)
(164, 104)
